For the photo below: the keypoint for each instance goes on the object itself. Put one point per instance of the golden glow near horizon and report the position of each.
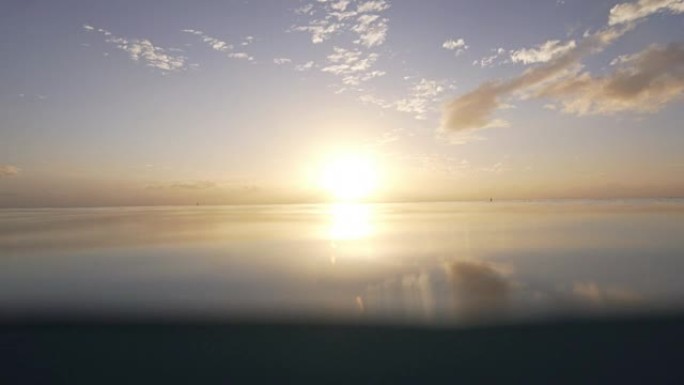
(350, 177)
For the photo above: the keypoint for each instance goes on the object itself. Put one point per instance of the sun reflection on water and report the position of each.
(350, 221)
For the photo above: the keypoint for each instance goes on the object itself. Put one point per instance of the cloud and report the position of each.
(340, 5)
(248, 40)
(630, 12)
(420, 100)
(644, 82)
(422, 95)
(373, 6)
(542, 53)
(337, 17)
(305, 66)
(7, 170)
(240, 55)
(282, 60)
(488, 61)
(305, 9)
(356, 26)
(214, 43)
(474, 109)
(354, 66)
(222, 46)
(372, 30)
(458, 46)
(320, 30)
(143, 50)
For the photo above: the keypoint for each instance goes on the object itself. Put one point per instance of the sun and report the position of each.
(350, 177)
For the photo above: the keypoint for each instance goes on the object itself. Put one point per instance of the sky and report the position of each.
(218, 102)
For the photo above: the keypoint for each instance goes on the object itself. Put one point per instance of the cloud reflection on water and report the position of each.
(468, 291)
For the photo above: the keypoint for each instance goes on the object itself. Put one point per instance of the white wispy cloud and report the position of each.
(372, 6)
(7, 170)
(356, 27)
(332, 18)
(629, 12)
(542, 53)
(320, 30)
(353, 66)
(214, 43)
(422, 97)
(340, 5)
(306, 9)
(240, 55)
(490, 60)
(221, 45)
(143, 50)
(372, 30)
(282, 60)
(457, 45)
(305, 66)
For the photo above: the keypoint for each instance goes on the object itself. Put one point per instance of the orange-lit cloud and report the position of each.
(8, 170)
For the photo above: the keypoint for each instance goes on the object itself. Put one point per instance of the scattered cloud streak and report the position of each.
(421, 98)
(490, 60)
(282, 60)
(304, 66)
(542, 53)
(360, 21)
(353, 66)
(222, 46)
(143, 50)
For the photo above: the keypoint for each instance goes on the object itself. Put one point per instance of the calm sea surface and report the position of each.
(417, 262)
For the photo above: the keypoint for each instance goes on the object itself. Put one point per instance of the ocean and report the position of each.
(442, 263)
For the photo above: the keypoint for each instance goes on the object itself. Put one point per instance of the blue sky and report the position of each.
(142, 102)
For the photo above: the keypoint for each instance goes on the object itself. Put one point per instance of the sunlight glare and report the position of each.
(350, 177)
(350, 221)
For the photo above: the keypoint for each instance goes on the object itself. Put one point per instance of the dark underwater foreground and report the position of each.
(642, 350)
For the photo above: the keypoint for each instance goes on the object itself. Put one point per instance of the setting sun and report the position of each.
(350, 177)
